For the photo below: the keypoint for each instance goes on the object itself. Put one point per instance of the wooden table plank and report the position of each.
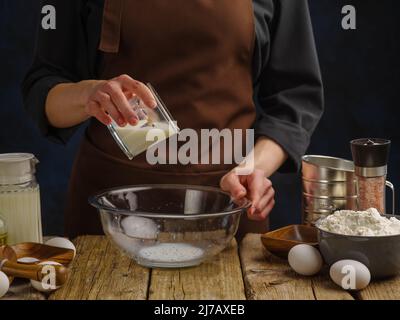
(267, 277)
(388, 289)
(325, 289)
(22, 290)
(219, 278)
(101, 272)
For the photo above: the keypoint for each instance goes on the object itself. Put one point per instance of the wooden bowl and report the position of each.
(279, 242)
(42, 252)
(13, 269)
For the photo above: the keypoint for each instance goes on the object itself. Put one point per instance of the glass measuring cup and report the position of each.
(154, 126)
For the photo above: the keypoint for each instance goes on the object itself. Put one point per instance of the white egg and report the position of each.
(138, 227)
(44, 287)
(4, 284)
(61, 243)
(305, 260)
(350, 274)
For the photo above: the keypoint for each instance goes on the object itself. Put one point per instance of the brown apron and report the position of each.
(198, 56)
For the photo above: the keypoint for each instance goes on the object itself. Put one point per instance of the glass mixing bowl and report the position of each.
(169, 226)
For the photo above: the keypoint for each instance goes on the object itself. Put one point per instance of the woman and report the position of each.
(235, 64)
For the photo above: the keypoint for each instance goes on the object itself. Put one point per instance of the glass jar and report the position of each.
(20, 198)
(3, 231)
(371, 192)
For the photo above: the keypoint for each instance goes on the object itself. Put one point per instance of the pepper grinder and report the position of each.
(370, 158)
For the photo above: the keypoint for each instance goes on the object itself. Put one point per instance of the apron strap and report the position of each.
(111, 26)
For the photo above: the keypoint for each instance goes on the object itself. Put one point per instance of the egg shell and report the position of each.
(305, 260)
(28, 260)
(38, 285)
(138, 227)
(350, 274)
(61, 243)
(4, 284)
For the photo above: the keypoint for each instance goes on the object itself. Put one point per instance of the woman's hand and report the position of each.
(256, 188)
(110, 100)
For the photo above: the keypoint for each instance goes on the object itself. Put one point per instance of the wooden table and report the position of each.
(249, 272)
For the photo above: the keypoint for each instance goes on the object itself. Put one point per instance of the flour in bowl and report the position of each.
(171, 252)
(360, 223)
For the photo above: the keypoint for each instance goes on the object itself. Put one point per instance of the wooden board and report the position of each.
(220, 278)
(101, 272)
(22, 290)
(267, 277)
(388, 289)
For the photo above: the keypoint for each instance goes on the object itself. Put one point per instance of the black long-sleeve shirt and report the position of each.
(287, 81)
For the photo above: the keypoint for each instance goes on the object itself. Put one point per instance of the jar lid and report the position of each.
(17, 168)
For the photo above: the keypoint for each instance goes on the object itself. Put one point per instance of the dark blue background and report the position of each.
(361, 74)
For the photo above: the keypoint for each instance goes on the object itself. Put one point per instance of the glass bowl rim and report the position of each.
(94, 201)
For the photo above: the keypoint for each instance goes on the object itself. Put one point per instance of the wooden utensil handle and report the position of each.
(34, 272)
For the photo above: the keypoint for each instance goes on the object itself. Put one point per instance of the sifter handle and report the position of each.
(391, 187)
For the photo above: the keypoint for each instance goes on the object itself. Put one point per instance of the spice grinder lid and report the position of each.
(370, 152)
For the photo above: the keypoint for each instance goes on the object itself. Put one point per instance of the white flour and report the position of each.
(360, 223)
(171, 252)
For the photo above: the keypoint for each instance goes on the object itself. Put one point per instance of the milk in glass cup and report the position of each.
(153, 122)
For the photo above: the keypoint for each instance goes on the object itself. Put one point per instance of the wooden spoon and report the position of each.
(43, 252)
(13, 269)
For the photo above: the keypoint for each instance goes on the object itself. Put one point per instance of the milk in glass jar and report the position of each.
(20, 198)
(3, 231)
